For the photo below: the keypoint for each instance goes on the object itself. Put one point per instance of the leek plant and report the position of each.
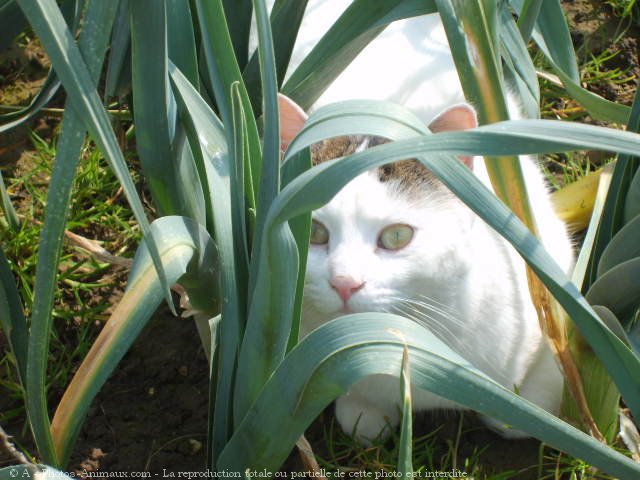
(233, 223)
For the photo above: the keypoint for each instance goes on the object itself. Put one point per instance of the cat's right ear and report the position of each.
(458, 117)
(292, 119)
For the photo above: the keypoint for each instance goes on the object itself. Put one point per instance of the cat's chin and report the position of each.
(318, 313)
(350, 309)
(328, 316)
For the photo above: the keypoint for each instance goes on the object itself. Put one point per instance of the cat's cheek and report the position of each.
(433, 254)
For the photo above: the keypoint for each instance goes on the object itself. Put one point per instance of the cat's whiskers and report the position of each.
(449, 317)
(423, 315)
(420, 306)
(439, 324)
(433, 301)
(436, 327)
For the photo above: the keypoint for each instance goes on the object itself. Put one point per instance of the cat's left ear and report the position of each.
(459, 117)
(292, 119)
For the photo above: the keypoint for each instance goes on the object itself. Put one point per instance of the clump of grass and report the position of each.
(624, 9)
(599, 72)
(562, 466)
(87, 288)
(442, 446)
(602, 72)
(561, 169)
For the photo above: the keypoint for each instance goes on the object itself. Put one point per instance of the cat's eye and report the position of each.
(319, 233)
(395, 237)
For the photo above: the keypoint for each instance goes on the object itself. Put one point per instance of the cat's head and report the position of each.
(389, 238)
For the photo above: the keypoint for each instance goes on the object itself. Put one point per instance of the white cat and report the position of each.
(396, 240)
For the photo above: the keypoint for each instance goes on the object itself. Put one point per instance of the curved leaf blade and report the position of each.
(527, 17)
(301, 230)
(119, 64)
(93, 42)
(405, 465)
(518, 69)
(185, 249)
(181, 40)
(311, 190)
(622, 247)
(552, 36)
(151, 104)
(553, 28)
(223, 70)
(7, 207)
(207, 138)
(12, 319)
(344, 350)
(238, 13)
(46, 93)
(270, 176)
(624, 299)
(286, 17)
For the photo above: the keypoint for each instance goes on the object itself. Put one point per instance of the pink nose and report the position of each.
(345, 286)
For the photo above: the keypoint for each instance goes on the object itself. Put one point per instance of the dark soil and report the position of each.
(23, 70)
(152, 413)
(594, 26)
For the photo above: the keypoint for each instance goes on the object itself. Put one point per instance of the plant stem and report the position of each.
(59, 112)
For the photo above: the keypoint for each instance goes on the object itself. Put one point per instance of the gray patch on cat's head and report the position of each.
(409, 176)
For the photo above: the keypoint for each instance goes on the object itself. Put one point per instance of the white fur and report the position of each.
(457, 276)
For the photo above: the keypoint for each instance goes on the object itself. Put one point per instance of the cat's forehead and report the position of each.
(407, 177)
(366, 198)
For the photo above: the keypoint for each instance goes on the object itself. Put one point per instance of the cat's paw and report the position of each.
(504, 430)
(364, 421)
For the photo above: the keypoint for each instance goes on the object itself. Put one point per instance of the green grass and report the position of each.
(601, 72)
(572, 468)
(436, 450)
(625, 9)
(562, 169)
(432, 454)
(87, 288)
